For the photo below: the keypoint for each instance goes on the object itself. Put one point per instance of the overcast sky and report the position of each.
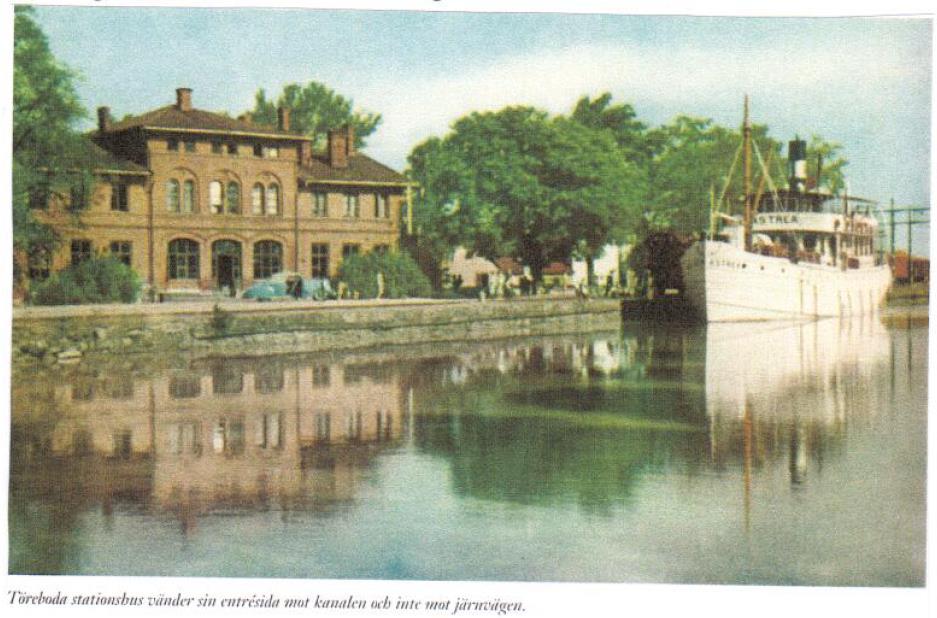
(862, 82)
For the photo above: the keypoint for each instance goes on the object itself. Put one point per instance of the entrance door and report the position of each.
(226, 265)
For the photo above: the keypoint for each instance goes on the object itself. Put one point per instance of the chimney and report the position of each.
(184, 99)
(104, 119)
(305, 152)
(350, 139)
(338, 148)
(283, 118)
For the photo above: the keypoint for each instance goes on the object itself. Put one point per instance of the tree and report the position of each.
(620, 120)
(829, 156)
(692, 160)
(519, 183)
(47, 152)
(314, 110)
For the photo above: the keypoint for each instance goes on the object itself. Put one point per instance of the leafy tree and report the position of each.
(692, 161)
(402, 277)
(98, 280)
(620, 120)
(833, 163)
(518, 183)
(314, 110)
(48, 154)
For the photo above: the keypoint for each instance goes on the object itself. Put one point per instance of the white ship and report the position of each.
(794, 254)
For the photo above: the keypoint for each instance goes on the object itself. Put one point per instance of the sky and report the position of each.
(862, 82)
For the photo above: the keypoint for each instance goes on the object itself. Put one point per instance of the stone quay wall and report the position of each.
(69, 334)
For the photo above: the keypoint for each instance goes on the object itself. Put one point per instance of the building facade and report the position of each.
(196, 201)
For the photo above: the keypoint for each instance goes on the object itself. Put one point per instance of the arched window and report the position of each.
(268, 259)
(215, 198)
(188, 196)
(183, 259)
(257, 199)
(273, 199)
(172, 196)
(234, 198)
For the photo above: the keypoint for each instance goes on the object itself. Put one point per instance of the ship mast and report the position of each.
(747, 183)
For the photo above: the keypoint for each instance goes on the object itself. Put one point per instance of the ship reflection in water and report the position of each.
(765, 453)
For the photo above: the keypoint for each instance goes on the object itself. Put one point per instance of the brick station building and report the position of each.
(198, 201)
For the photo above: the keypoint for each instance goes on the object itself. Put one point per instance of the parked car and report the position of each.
(290, 285)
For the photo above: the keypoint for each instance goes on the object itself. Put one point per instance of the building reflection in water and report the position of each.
(559, 420)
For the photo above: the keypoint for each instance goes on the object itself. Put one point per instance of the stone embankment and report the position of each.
(71, 334)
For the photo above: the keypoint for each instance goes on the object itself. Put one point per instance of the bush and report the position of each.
(402, 276)
(98, 280)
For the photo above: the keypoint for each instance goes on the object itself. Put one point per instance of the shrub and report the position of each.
(402, 276)
(98, 280)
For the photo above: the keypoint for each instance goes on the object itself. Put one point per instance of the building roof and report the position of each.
(171, 117)
(361, 169)
(556, 268)
(101, 160)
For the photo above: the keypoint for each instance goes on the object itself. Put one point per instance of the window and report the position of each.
(268, 431)
(232, 149)
(381, 249)
(351, 205)
(39, 196)
(380, 206)
(320, 261)
(268, 259)
(323, 427)
(119, 197)
(172, 144)
(353, 425)
(184, 438)
(320, 204)
(258, 150)
(215, 197)
(190, 146)
(321, 375)
(183, 259)
(118, 386)
(234, 198)
(76, 196)
(188, 196)
(271, 152)
(268, 379)
(257, 199)
(228, 436)
(81, 251)
(185, 387)
(226, 379)
(122, 250)
(348, 250)
(39, 263)
(216, 148)
(172, 196)
(273, 199)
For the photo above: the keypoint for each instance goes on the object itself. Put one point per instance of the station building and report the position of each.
(196, 201)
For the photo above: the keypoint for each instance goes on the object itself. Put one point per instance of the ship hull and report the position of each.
(723, 283)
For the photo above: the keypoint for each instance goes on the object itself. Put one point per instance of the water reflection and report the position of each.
(604, 425)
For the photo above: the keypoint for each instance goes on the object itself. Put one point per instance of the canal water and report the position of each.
(738, 454)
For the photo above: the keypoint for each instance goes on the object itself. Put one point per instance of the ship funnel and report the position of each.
(797, 165)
